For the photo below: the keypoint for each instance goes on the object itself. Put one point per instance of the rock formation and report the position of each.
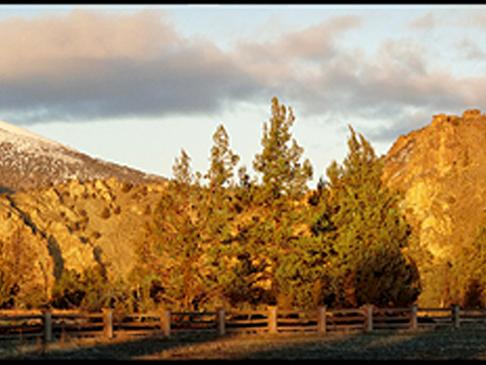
(74, 225)
(441, 171)
(61, 210)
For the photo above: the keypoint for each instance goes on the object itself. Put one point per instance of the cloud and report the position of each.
(426, 21)
(293, 51)
(345, 83)
(471, 50)
(474, 17)
(403, 122)
(42, 45)
(89, 65)
(477, 19)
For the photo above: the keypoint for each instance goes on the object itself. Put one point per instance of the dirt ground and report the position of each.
(463, 344)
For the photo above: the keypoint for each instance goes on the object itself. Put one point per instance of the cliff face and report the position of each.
(74, 226)
(441, 171)
(61, 209)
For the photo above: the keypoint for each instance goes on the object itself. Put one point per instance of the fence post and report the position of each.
(166, 323)
(108, 323)
(47, 326)
(456, 316)
(272, 320)
(413, 318)
(321, 320)
(369, 318)
(221, 322)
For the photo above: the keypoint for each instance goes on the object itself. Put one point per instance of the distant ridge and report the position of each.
(29, 161)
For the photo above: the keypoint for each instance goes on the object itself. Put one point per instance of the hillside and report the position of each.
(29, 161)
(73, 226)
(441, 171)
(75, 218)
(61, 209)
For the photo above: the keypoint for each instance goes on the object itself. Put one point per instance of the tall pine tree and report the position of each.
(218, 212)
(364, 233)
(277, 205)
(173, 254)
(190, 261)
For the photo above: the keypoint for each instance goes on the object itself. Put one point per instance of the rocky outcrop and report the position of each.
(63, 210)
(76, 225)
(441, 171)
(24, 257)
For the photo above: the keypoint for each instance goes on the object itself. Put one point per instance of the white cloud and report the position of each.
(88, 65)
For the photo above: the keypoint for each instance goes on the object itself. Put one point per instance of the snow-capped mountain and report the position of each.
(29, 161)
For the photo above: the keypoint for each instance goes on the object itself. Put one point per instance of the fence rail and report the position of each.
(51, 325)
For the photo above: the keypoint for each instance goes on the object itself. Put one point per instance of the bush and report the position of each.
(105, 214)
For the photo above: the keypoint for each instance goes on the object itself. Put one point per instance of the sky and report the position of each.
(135, 84)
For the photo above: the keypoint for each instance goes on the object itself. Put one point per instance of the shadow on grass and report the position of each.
(118, 348)
(448, 344)
(443, 344)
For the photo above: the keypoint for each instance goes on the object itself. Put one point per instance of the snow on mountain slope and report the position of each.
(29, 161)
(11, 131)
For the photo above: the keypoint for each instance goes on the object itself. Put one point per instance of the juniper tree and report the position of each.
(12, 269)
(467, 273)
(177, 247)
(163, 272)
(192, 249)
(222, 162)
(218, 211)
(477, 286)
(364, 233)
(277, 202)
(19, 286)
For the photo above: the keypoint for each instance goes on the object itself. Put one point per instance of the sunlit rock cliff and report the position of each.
(441, 171)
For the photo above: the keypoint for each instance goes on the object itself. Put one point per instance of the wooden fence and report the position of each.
(58, 324)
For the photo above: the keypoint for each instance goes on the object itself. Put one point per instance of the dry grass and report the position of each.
(434, 345)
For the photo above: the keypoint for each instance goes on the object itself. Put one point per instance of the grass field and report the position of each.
(464, 344)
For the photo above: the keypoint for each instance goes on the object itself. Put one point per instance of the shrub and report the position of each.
(105, 214)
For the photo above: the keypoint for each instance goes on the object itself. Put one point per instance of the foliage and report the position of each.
(91, 291)
(193, 226)
(466, 284)
(177, 247)
(267, 240)
(225, 238)
(284, 175)
(18, 286)
(365, 233)
(68, 291)
(276, 207)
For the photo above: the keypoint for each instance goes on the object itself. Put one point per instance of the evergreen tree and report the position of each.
(467, 274)
(218, 211)
(364, 233)
(277, 205)
(222, 162)
(477, 286)
(68, 291)
(189, 262)
(19, 286)
(284, 175)
(90, 290)
(178, 245)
